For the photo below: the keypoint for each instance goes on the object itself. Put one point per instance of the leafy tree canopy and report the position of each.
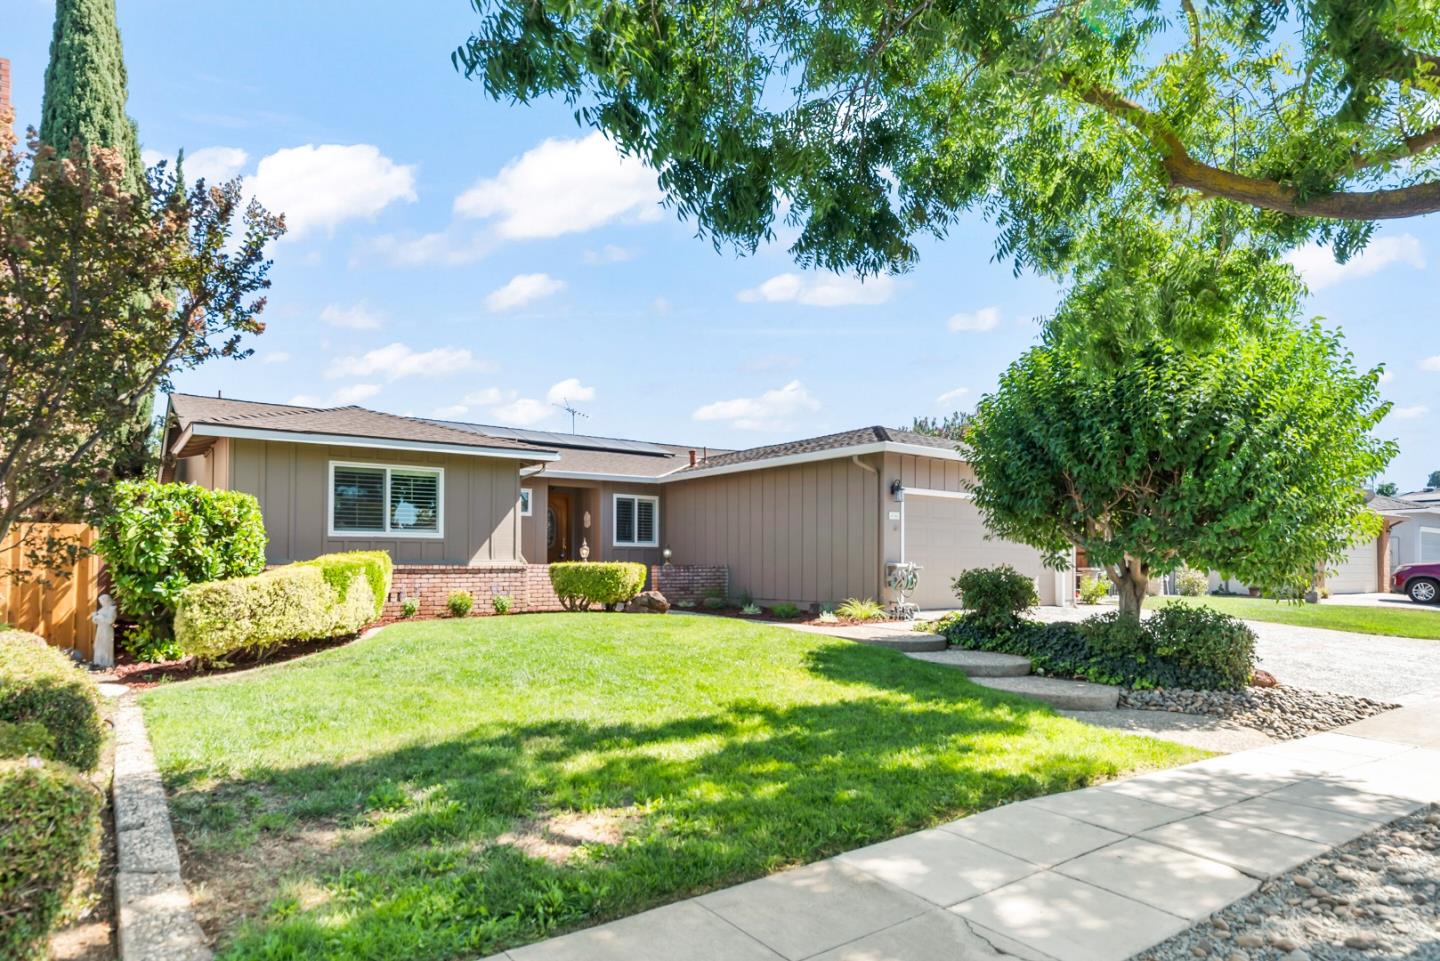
(1387, 489)
(876, 123)
(1247, 458)
(951, 426)
(1434, 479)
(86, 334)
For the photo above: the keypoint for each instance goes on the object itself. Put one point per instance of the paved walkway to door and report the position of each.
(1093, 875)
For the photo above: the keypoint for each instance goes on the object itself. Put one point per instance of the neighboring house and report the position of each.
(1411, 533)
(810, 522)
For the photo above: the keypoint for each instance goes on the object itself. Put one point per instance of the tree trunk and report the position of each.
(1132, 582)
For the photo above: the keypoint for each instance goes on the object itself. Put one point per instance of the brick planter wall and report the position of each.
(527, 585)
(689, 582)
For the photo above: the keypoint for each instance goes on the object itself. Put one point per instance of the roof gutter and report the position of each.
(808, 457)
(350, 440)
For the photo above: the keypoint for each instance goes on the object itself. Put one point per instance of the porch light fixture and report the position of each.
(667, 554)
(584, 549)
(897, 490)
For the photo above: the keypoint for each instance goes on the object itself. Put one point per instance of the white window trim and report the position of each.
(437, 534)
(615, 520)
(527, 502)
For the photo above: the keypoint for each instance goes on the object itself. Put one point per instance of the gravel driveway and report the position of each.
(1394, 669)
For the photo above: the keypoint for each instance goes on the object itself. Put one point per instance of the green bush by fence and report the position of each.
(579, 584)
(161, 538)
(49, 832)
(995, 598)
(329, 596)
(41, 686)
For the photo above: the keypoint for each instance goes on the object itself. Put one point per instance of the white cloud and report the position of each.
(772, 410)
(446, 248)
(569, 389)
(952, 395)
(523, 411)
(820, 290)
(356, 317)
(608, 254)
(1386, 376)
(451, 412)
(306, 400)
(214, 165)
(1409, 413)
(397, 360)
(488, 395)
(986, 318)
(522, 289)
(321, 187)
(1430, 363)
(278, 357)
(562, 187)
(355, 393)
(1319, 270)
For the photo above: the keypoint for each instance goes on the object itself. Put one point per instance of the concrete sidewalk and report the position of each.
(1092, 875)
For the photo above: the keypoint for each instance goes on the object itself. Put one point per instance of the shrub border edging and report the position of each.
(155, 920)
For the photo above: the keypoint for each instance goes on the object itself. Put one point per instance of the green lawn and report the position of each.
(1396, 621)
(389, 799)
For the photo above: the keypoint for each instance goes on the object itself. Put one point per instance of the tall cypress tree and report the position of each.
(85, 95)
(85, 85)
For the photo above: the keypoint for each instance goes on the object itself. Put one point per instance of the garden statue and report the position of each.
(104, 619)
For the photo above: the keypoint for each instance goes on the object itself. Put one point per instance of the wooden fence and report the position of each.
(55, 607)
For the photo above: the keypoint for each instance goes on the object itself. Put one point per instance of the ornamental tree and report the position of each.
(86, 334)
(875, 123)
(1247, 458)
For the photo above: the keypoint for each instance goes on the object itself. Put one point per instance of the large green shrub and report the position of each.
(1178, 647)
(161, 538)
(1190, 582)
(339, 571)
(995, 598)
(579, 584)
(49, 839)
(40, 685)
(257, 615)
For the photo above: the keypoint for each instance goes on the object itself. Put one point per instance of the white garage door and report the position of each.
(1357, 575)
(945, 536)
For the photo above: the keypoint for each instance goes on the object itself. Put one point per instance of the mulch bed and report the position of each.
(143, 674)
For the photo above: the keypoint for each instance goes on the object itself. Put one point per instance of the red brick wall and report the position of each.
(527, 585)
(689, 582)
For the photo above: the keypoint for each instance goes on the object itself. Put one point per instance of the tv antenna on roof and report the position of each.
(573, 412)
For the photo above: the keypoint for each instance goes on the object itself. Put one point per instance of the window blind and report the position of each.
(625, 520)
(359, 499)
(414, 500)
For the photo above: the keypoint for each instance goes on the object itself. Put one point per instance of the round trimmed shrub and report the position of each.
(459, 603)
(580, 584)
(40, 685)
(1209, 650)
(161, 538)
(49, 833)
(995, 598)
(1190, 582)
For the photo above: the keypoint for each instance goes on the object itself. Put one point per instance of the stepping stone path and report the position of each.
(1011, 673)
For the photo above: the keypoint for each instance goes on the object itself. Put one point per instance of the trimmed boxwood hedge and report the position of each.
(41, 687)
(579, 584)
(329, 596)
(50, 834)
(1191, 648)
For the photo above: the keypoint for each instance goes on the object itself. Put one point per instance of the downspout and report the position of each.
(880, 520)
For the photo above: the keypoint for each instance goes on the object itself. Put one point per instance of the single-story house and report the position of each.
(484, 508)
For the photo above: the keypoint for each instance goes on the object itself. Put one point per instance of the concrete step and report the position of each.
(980, 663)
(1059, 693)
(910, 642)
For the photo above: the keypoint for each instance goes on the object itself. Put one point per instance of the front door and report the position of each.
(557, 527)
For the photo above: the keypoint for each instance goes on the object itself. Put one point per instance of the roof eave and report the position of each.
(353, 440)
(807, 457)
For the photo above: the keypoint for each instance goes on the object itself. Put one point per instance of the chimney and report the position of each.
(7, 114)
(692, 458)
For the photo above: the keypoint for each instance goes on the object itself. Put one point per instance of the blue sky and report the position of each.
(457, 257)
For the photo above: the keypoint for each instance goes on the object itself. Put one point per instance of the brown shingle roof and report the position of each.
(811, 445)
(357, 422)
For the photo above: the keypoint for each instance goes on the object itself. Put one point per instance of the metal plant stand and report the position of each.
(901, 579)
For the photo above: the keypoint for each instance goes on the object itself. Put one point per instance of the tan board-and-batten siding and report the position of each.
(803, 533)
(481, 516)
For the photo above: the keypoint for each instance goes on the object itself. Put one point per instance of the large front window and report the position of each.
(637, 521)
(386, 501)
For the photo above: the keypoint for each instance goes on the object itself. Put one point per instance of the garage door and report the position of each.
(945, 536)
(1357, 575)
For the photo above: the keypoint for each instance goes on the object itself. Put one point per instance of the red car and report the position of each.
(1420, 582)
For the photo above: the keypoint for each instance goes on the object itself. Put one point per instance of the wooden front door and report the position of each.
(557, 528)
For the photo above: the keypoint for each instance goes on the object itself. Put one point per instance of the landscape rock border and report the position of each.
(156, 921)
(1282, 712)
